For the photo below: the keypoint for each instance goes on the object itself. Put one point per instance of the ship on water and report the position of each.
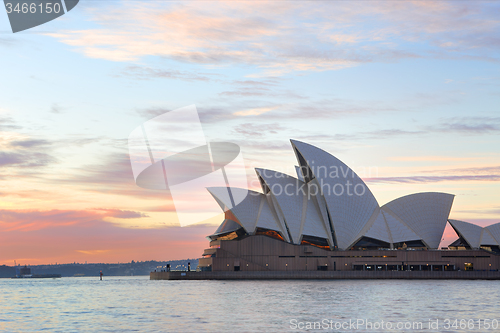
(25, 273)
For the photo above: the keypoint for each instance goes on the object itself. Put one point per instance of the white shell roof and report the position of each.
(354, 214)
(266, 218)
(487, 238)
(246, 211)
(292, 201)
(349, 213)
(475, 235)
(313, 223)
(399, 231)
(470, 232)
(299, 173)
(379, 229)
(227, 226)
(425, 213)
(494, 229)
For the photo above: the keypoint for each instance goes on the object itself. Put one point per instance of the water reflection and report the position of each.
(138, 304)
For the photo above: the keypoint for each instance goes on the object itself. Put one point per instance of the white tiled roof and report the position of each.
(336, 196)
(349, 213)
(470, 232)
(425, 213)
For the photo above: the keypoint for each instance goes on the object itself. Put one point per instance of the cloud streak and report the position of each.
(256, 111)
(148, 73)
(280, 37)
(432, 179)
(471, 125)
(80, 235)
(478, 174)
(8, 124)
(258, 130)
(28, 159)
(29, 220)
(111, 177)
(29, 143)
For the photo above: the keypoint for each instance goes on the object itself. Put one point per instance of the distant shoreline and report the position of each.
(133, 268)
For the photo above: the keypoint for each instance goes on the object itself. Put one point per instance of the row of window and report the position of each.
(426, 267)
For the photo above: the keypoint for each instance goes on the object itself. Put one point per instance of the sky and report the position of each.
(406, 93)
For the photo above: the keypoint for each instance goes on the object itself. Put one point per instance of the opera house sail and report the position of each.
(327, 219)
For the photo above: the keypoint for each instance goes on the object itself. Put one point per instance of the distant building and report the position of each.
(326, 218)
(25, 271)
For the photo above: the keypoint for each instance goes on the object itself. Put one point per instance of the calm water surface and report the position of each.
(121, 304)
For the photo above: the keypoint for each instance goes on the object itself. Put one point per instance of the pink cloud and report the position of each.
(280, 37)
(433, 179)
(29, 220)
(68, 236)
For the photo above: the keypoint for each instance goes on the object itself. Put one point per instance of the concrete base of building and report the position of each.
(331, 275)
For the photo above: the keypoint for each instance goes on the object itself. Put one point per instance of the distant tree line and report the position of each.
(122, 269)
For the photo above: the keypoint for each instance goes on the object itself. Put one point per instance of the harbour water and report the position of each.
(126, 304)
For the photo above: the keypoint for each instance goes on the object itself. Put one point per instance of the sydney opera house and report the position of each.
(327, 219)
